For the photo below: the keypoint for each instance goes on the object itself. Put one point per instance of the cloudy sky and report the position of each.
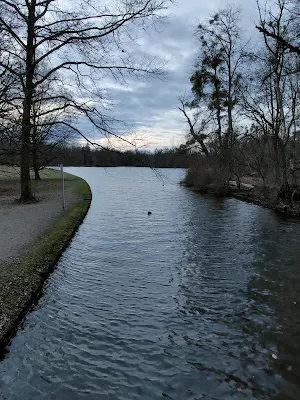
(151, 106)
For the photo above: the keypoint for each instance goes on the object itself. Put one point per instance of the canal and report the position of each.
(199, 300)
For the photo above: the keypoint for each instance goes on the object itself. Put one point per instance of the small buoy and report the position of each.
(149, 212)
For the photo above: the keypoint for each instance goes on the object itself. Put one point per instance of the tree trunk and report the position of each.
(229, 134)
(26, 192)
(281, 127)
(35, 164)
(284, 162)
(277, 166)
(219, 131)
(218, 106)
(35, 148)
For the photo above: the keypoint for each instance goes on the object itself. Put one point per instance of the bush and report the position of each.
(198, 177)
(206, 178)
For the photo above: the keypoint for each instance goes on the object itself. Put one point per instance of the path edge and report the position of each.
(45, 264)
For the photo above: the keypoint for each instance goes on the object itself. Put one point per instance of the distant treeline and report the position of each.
(85, 156)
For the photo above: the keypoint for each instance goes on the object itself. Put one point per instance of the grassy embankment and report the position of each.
(21, 282)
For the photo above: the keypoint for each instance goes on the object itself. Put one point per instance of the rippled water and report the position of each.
(199, 300)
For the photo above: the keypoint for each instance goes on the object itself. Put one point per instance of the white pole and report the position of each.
(63, 187)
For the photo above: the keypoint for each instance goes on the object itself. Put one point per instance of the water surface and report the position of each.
(199, 300)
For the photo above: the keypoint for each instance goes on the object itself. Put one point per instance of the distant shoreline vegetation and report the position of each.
(85, 156)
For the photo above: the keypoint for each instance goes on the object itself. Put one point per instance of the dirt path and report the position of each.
(21, 224)
(29, 250)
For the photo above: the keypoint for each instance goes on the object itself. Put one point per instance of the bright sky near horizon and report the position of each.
(151, 106)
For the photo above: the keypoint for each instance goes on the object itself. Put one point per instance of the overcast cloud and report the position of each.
(151, 107)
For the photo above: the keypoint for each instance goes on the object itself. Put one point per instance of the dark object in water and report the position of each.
(149, 212)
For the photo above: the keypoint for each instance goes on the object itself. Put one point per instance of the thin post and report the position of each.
(63, 187)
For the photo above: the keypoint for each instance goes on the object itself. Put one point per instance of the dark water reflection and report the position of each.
(198, 301)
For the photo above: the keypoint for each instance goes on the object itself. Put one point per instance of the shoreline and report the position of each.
(251, 197)
(24, 278)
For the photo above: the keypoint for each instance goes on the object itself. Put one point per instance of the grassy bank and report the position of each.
(21, 282)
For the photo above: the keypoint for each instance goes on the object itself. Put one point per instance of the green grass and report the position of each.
(21, 282)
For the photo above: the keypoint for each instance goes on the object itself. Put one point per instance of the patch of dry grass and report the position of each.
(13, 173)
(50, 181)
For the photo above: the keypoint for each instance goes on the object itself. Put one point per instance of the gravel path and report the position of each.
(20, 224)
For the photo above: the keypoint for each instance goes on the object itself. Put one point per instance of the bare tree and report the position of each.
(196, 129)
(83, 43)
(216, 84)
(223, 53)
(271, 96)
(207, 85)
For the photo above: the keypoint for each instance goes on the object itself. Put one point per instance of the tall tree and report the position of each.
(207, 84)
(82, 44)
(217, 77)
(271, 97)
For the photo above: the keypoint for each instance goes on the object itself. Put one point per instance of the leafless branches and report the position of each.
(76, 46)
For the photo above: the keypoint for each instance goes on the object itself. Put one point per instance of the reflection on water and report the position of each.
(200, 300)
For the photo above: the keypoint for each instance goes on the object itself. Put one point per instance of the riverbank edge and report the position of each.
(39, 262)
(251, 197)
